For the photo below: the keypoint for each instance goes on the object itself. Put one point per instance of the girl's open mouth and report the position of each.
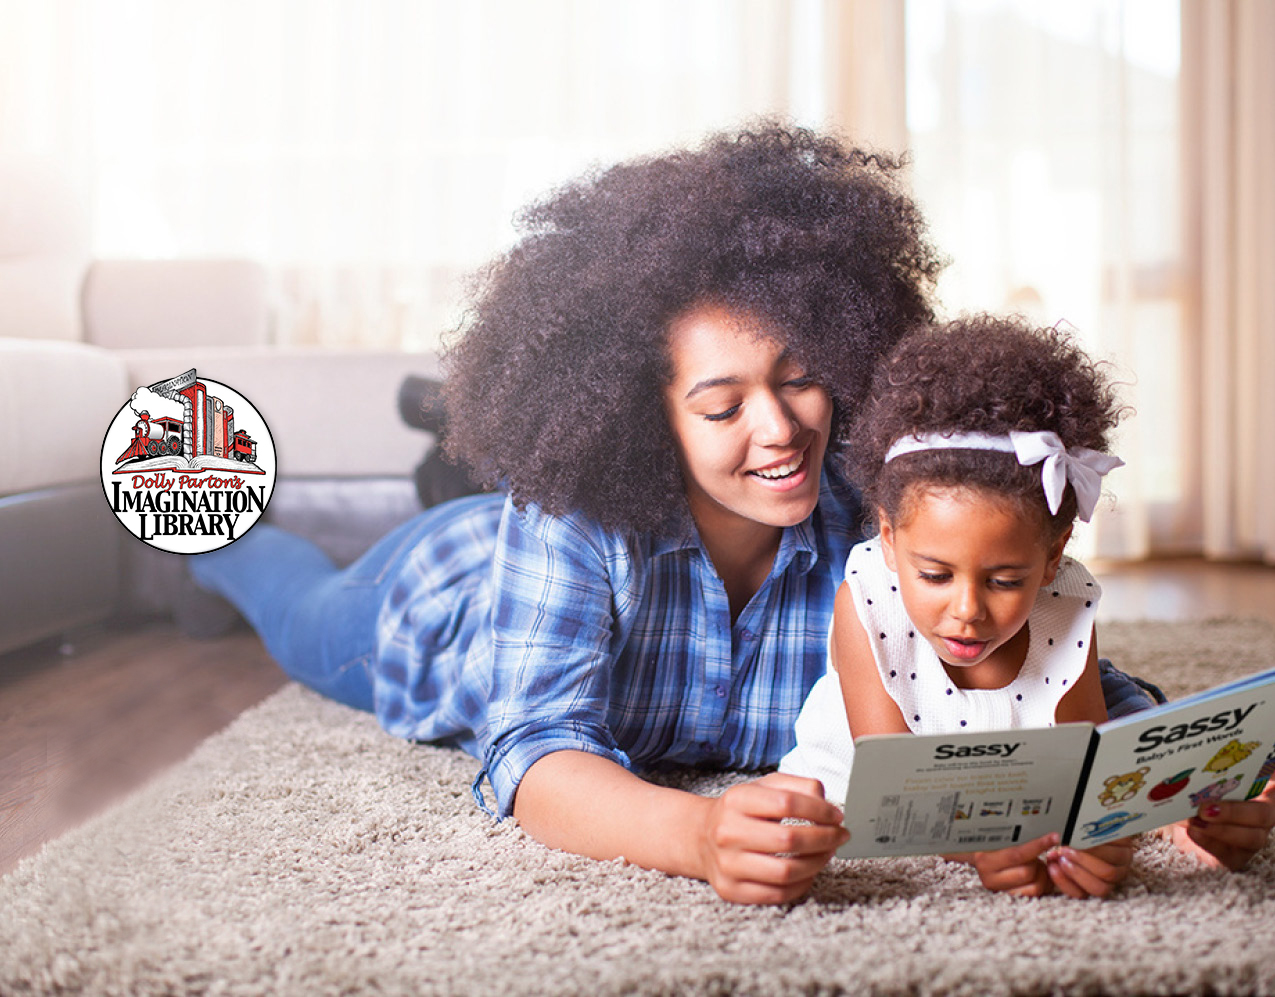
(964, 650)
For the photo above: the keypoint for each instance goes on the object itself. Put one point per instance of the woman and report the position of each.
(653, 377)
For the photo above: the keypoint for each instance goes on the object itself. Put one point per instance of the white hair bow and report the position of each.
(1083, 467)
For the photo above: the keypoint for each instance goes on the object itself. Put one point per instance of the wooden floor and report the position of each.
(86, 719)
(1185, 590)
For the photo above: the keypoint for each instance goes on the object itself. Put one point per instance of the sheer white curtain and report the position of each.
(1229, 121)
(1046, 140)
(373, 151)
(1109, 163)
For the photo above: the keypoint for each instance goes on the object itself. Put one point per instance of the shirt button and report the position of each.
(747, 634)
(721, 691)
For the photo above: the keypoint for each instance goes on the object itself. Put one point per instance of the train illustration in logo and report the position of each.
(207, 426)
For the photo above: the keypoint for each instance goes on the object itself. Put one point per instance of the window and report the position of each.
(1046, 154)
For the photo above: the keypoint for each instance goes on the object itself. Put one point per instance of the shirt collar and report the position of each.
(685, 538)
(798, 540)
(794, 541)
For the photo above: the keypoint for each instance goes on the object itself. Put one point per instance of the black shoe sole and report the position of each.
(420, 404)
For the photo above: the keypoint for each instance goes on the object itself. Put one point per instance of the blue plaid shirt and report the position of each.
(516, 634)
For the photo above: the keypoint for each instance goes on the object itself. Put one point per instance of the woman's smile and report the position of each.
(788, 473)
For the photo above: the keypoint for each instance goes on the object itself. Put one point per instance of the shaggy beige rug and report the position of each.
(304, 852)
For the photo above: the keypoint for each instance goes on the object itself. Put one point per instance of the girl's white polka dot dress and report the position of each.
(1061, 625)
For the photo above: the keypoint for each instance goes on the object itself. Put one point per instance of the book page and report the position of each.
(200, 462)
(944, 793)
(1160, 766)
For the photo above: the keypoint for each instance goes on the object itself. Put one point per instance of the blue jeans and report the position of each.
(1126, 694)
(317, 621)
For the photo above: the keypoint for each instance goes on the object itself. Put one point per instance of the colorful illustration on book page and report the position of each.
(1231, 754)
(1214, 792)
(1168, 788)
(1107, 826)
(1117, 789)
(1263, 776)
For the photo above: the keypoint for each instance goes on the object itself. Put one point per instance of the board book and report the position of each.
(912, 794)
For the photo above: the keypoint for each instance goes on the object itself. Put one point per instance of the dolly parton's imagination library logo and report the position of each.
(188, 465)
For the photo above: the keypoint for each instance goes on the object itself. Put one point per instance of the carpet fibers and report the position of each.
(304, 852)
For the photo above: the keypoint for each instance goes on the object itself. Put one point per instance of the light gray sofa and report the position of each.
(79, 335)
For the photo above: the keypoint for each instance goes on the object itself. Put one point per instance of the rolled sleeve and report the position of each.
(508, 760)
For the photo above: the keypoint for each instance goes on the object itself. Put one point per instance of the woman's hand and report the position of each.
(1092, 872)
(749, 856)
(737, 842)
(1230, 832)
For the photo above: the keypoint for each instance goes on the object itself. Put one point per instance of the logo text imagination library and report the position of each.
(188, 464)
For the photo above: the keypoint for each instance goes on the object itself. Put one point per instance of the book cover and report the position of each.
(948, 793)
(1159, 766)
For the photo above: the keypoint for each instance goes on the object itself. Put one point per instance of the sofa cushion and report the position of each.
(56, 401)
(145, 304)
(331, 413)
(39, 298)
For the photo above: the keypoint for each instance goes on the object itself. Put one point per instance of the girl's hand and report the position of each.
(749, 856)
(1093, 872)
(1018, 869)
(1230, 832)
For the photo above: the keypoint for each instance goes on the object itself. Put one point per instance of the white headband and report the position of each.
(1083, 467)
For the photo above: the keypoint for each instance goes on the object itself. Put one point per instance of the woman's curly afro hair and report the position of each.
(554, 382)
(981, 374)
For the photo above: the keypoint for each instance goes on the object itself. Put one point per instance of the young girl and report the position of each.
(981, 444)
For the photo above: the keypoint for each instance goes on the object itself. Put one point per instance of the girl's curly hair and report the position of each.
(554, 382)
(982, 374)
